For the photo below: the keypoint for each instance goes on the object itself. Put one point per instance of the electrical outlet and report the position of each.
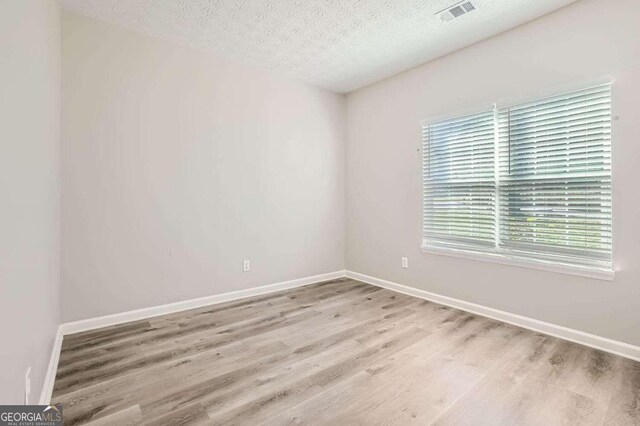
(27, 386)
(246, 266)
(405, 262)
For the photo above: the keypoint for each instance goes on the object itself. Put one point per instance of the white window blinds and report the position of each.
(531, 181)
(459, 181)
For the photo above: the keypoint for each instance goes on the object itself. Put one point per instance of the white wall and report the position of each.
(178, 165)
(578, 44)
(29, 192)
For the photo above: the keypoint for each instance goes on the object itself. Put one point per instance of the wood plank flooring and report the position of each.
(339, 352)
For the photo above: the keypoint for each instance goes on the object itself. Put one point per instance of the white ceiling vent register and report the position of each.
(456, 10)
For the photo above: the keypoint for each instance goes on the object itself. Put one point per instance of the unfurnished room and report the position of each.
(319, 212)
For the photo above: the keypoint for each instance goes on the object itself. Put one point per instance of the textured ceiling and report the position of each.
(340, 45)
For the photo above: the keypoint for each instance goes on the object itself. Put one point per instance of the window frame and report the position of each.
(498, 254)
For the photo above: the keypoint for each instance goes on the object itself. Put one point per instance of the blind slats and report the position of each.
(541, 142)
(458, 166)
(533, 179)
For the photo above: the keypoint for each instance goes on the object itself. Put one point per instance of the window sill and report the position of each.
(596, 273)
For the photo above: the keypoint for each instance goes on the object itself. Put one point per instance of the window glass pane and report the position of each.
(555, 177)
(458, 181)
(546, 196)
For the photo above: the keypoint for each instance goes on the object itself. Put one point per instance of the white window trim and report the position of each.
(521, 261)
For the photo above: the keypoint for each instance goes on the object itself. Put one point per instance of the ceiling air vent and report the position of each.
(456, 10)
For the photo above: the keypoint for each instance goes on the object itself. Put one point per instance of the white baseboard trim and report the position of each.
(154, 311)
(139, 314)
(47, 387)
(602, 343)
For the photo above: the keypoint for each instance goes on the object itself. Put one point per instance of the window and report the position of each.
(528, 182)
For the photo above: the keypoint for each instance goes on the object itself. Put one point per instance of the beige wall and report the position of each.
(29, 192)
(581, 43)
(178, 165)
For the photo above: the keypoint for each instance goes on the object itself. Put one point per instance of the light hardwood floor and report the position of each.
(341, 352)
